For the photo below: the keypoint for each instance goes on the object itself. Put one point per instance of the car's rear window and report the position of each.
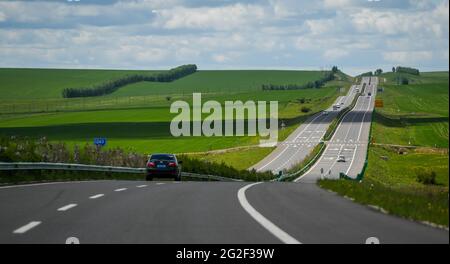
(162, 157)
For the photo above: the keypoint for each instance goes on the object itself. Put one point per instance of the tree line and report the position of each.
(409, 70)
(112, 86)
(329, 76)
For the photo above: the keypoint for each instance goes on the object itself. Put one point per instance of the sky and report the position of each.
(355, 35)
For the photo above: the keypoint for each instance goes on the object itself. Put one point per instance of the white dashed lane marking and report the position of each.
(67, 207)
(26, 227)
(120, 190)
(96, 196)
(141, 186)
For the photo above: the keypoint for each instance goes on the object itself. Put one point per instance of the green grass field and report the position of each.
(17, 84)
(137, 116)
(414, 114)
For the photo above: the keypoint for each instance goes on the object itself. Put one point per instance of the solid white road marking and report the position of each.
(159, 183)
(66, 207)
(96, 196)
(119, 190)
(141, 186)
(266, 223)
(27, 227)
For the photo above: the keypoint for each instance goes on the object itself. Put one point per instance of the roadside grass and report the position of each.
(429, 204)
(241, 159)
(390, 182)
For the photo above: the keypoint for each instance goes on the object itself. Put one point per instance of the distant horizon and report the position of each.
(224, 69)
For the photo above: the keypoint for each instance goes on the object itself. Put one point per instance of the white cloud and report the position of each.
(432, 23)
(219, 18)
(321, 26)
(407, 57)
(156, 33)
(336, 3)
(333, 54)
(220, 58)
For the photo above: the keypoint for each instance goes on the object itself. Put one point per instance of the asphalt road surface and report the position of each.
(196, 212)
(350, 140)
(302, 141)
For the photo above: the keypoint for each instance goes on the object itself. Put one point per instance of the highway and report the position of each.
(302, 141)
(196, 212)
(219, 212)
(350, 140)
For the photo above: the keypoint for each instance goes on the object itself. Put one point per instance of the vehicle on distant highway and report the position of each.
(325, 113)
(163, 166)
(336, 107)
(341, 158)
(369, 94)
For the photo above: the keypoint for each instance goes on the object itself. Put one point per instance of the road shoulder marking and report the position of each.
(266, 223)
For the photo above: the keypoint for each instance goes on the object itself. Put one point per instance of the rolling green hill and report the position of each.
(33, 84)
(137, 116)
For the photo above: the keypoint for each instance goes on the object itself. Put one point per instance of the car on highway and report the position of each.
(341, 158)
(325, 113)
(336, 107)
(369, 94)
(163, 166)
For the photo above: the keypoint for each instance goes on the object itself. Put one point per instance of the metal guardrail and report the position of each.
(5, 166)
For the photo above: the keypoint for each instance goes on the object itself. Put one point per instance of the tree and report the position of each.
(334, 69)
(393, 69)
(378, 71)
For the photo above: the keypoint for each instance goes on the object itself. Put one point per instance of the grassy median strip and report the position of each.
(300, 168)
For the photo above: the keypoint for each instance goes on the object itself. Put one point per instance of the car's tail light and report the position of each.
(172, 164)
(151, 164)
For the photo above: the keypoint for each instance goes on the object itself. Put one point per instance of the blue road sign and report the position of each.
(100, 141)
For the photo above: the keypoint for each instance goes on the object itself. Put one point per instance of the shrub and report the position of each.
(305, 109)
(402, 80)
(426, 176)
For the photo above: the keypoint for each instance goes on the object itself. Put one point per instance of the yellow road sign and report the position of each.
(378, 103)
